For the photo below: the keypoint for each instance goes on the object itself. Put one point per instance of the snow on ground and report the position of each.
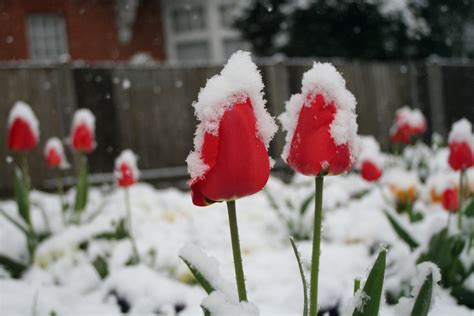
(354, 228)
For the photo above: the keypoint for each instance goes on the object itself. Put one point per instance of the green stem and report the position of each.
(461, 198)
(24, 169)
(31, 236)
(129, 224)
(234, 235)
(318, 214)
(60, 188)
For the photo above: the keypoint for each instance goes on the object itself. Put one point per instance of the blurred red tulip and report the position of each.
(23, 132)
(82, 133)
(461, 156)
(126, 170)
(400, 134)
(237, 159)
(450, 200)
(370, 171)
(125, 179)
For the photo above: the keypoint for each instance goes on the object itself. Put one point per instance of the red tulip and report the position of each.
(450, 200)
(54, 154)
(230, 158)
(400, 134)
(126, 170)
(237, 160)
(321, 124)
(370, 171)
(23, 132)
(82, 133)
(461, 155)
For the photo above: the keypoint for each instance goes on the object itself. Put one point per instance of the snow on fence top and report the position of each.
(128, 158)
(461, 132)
(22, 110)
(323, 79)
(238, 80)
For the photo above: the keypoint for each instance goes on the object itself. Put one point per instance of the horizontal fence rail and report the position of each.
(149, 108)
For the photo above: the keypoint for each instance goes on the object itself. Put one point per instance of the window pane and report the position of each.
(47, 36)
(227, 15)
(188, 18)
(197, 51)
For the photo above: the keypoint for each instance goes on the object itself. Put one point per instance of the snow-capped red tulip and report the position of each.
(321, 124)
(370, 160)
(370, 171)
(450, 200)
(230, 158)
(408, 123)
(461, 145)
(126, 170)
(54, 154)
(83, 131)
(23, 128)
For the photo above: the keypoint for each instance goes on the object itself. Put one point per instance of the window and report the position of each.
(47, 36)
(227, 15)
(188, 18)
(195, 51)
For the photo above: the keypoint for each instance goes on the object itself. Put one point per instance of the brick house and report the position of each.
(88, 30)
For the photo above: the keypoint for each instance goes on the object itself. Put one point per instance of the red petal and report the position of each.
(21, 136)
(450, 200)
(238, 160)
(126, 176)
(83, 139)
(53, 158)
(369, 171)
(461, 156)
(312, 148)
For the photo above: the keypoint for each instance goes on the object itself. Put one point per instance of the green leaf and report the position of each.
(206, 285)
(373, 288)
(303, 278)
(306, 202)
(423, 300)
(401, 232)
(469, 210)
(15, 268)
(82, 187)
(21, 196)
(101, 266)
(119, 233)
(14, 222)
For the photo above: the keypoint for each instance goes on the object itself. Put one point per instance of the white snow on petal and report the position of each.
(411, 117)
(23, 111)
(83, 116)
(56, 144)
(128, 158)
(401, 179)
(424, 269)
(218, 304)
(324, 79)
(239, 79)
(461, 132)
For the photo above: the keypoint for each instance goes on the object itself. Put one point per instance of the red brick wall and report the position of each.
(91, 29)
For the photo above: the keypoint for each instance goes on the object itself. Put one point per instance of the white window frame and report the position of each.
(47, 36)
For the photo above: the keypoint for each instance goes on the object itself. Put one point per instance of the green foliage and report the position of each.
(302, 275)
(21, 195)
(401, 232)
(119, 233)
(15, 268)
(205, 284)
(356, 29)
(373, 287)
(444, 250)
(423, 300)
(469, 209)
(101, 266)
(82, 188)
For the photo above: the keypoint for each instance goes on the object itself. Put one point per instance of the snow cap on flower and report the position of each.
(461, 145)
(54, 154)
(370, 160)
(321, 124)
(440, 182)
(126, 171)
(408, 122)
(83, 131)
(233, 134)
(23, 128)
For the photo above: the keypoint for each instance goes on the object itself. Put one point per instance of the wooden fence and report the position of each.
(148, 108)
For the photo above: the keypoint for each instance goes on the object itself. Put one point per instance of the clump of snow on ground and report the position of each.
(240, 79)
(22, 110)
(324, 79)
(219, 304)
